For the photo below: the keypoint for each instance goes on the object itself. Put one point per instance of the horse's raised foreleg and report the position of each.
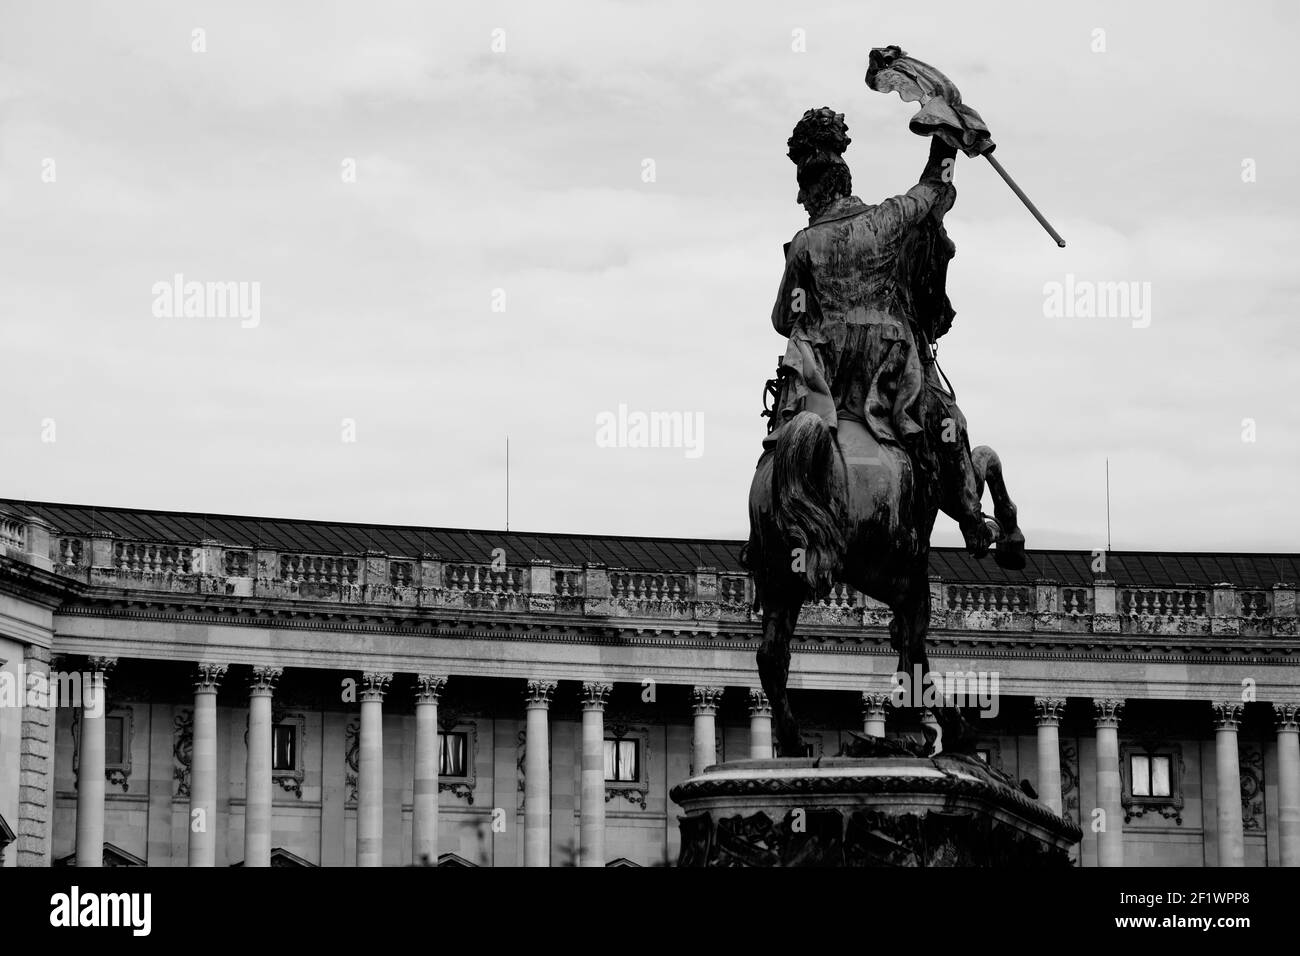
(1009, 551)
(774, 670)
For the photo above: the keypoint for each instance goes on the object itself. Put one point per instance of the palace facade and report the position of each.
(185, 689)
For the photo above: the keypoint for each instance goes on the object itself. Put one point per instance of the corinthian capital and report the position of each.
(1107, 712)
(705, 700)
(873, 705)
(1227, 714)
(262, 683)
(208, 677)
(1047, 711)
(374, 685)
(429, 688)
(759, 705)
(537, 693)
(595, 694)
(101, 665)
(1286, 717)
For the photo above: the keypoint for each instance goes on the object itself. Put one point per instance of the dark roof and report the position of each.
(1126, 568)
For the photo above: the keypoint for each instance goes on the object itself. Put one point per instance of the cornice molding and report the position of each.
(852, 641)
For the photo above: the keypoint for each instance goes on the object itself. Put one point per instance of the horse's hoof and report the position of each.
(1010, 552)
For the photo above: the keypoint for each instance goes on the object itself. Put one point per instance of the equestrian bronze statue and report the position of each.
(866, 443)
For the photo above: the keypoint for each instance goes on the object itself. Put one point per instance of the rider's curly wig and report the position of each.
(820, 135)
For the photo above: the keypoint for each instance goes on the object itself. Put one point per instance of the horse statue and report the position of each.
(866, 444)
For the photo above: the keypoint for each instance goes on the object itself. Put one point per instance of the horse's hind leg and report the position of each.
(779, 621)
(1010, 548)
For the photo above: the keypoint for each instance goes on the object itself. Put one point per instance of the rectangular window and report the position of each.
(622, 760)
(983, 755)
(452, 756)
(114, 744)
(285, 747)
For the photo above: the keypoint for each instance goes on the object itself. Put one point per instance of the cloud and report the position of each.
(522, 171)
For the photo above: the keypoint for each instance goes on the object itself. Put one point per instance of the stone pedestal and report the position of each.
(874, 811)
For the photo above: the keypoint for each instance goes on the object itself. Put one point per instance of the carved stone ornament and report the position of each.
(374, 685)
(595, 694)
(1048, 711)
(705, 700)
(1107, 712)
(429, 688)
(182, 752)
(538, 693)
(1252, 787)
(351, 753)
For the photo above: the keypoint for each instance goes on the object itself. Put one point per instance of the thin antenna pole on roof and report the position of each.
(1108, 504)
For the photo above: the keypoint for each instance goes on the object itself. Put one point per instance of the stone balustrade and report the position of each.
(593, 590)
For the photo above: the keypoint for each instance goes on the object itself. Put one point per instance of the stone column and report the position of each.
(873, 714)
(760, 726)
(1288, 781)
(424, 800)
(537, 773)
(257, 779)
(1047, 712)
(1227, 776)
(203, 766)
(592, 826)
(90, 764)
(370, 766)
(704, 704)
(1110, 841)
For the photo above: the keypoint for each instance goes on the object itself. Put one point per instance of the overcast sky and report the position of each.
(523, 170)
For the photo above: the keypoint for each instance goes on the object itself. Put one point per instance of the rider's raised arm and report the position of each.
(935, 186)
(791, 298)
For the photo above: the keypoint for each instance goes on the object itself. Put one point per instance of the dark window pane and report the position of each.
(285, 749)
(114, 728)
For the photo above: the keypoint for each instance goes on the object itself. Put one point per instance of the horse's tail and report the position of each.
(805, 507)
